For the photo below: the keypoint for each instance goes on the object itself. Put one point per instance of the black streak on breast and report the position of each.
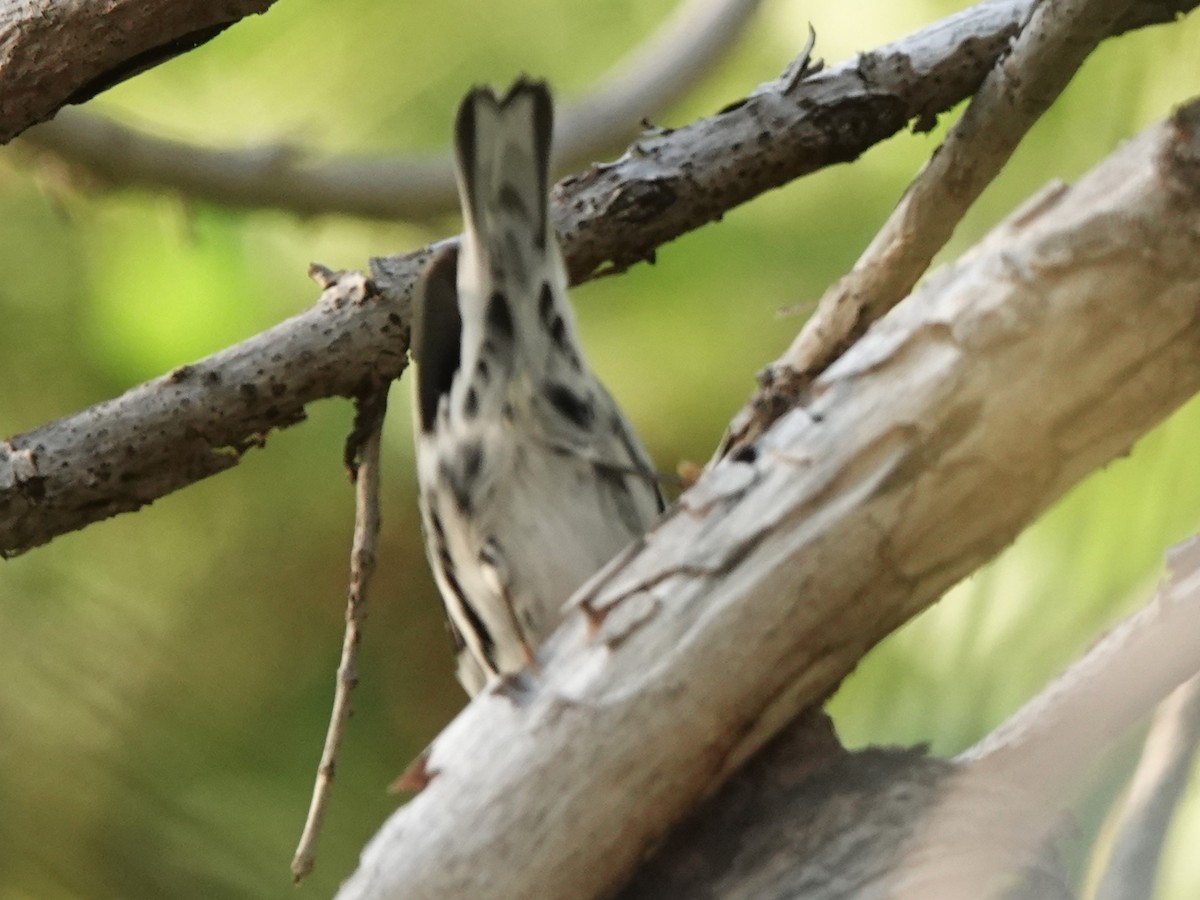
(499, 316)
(570, 405)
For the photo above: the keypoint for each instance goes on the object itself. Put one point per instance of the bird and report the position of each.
(529, 476)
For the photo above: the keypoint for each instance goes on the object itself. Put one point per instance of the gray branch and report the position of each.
(122, 454)
(1050, 48)
(56, 52)
(1158, 785)
(895, 823)
(671, 183)
(652, 77)
(198, 419)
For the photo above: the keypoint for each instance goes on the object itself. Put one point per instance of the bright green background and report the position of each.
(165, 677)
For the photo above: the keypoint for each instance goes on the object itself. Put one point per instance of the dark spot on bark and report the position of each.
(33, 488)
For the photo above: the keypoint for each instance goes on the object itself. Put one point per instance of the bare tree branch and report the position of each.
(656, 74)
(857, 105)
(124, 453)
(1045, 56)
(895, 823)
(1114, 686)
(918, 456)
(1145, 814)
(1048, 749)
(199, 419)
(641, 86)
(55, 52)
(671, 183)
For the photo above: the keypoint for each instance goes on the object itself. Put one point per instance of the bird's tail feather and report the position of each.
(503, 147)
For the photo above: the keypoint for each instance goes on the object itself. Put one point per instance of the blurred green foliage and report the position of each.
(165, 677)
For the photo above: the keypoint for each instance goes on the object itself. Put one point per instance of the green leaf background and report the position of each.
(165, 677)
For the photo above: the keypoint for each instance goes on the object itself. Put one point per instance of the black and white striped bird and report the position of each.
(530, 478)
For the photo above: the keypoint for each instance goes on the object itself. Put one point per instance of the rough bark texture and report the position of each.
(804, 818)
(56, 52)
(198, 419)
(122, 454)
(1044, 57)
(1041, 355)
(648, 80)
(670, 183)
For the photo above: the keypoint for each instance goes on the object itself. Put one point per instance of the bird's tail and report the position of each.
(503, 152)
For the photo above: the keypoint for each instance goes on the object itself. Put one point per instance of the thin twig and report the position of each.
(362, 457)
(655, 74)
(1046, 54)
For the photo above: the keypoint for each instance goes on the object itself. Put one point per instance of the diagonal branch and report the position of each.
(652, 77)
(1144, 815)
(199, 419)
(919, 456)
(867, 103)
(670, 183)
(56, 52)
(160, 436)
(896, 823)
(1051, 47)
(1043, 755)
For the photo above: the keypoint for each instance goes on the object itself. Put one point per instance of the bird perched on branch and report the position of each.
(530, 478)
